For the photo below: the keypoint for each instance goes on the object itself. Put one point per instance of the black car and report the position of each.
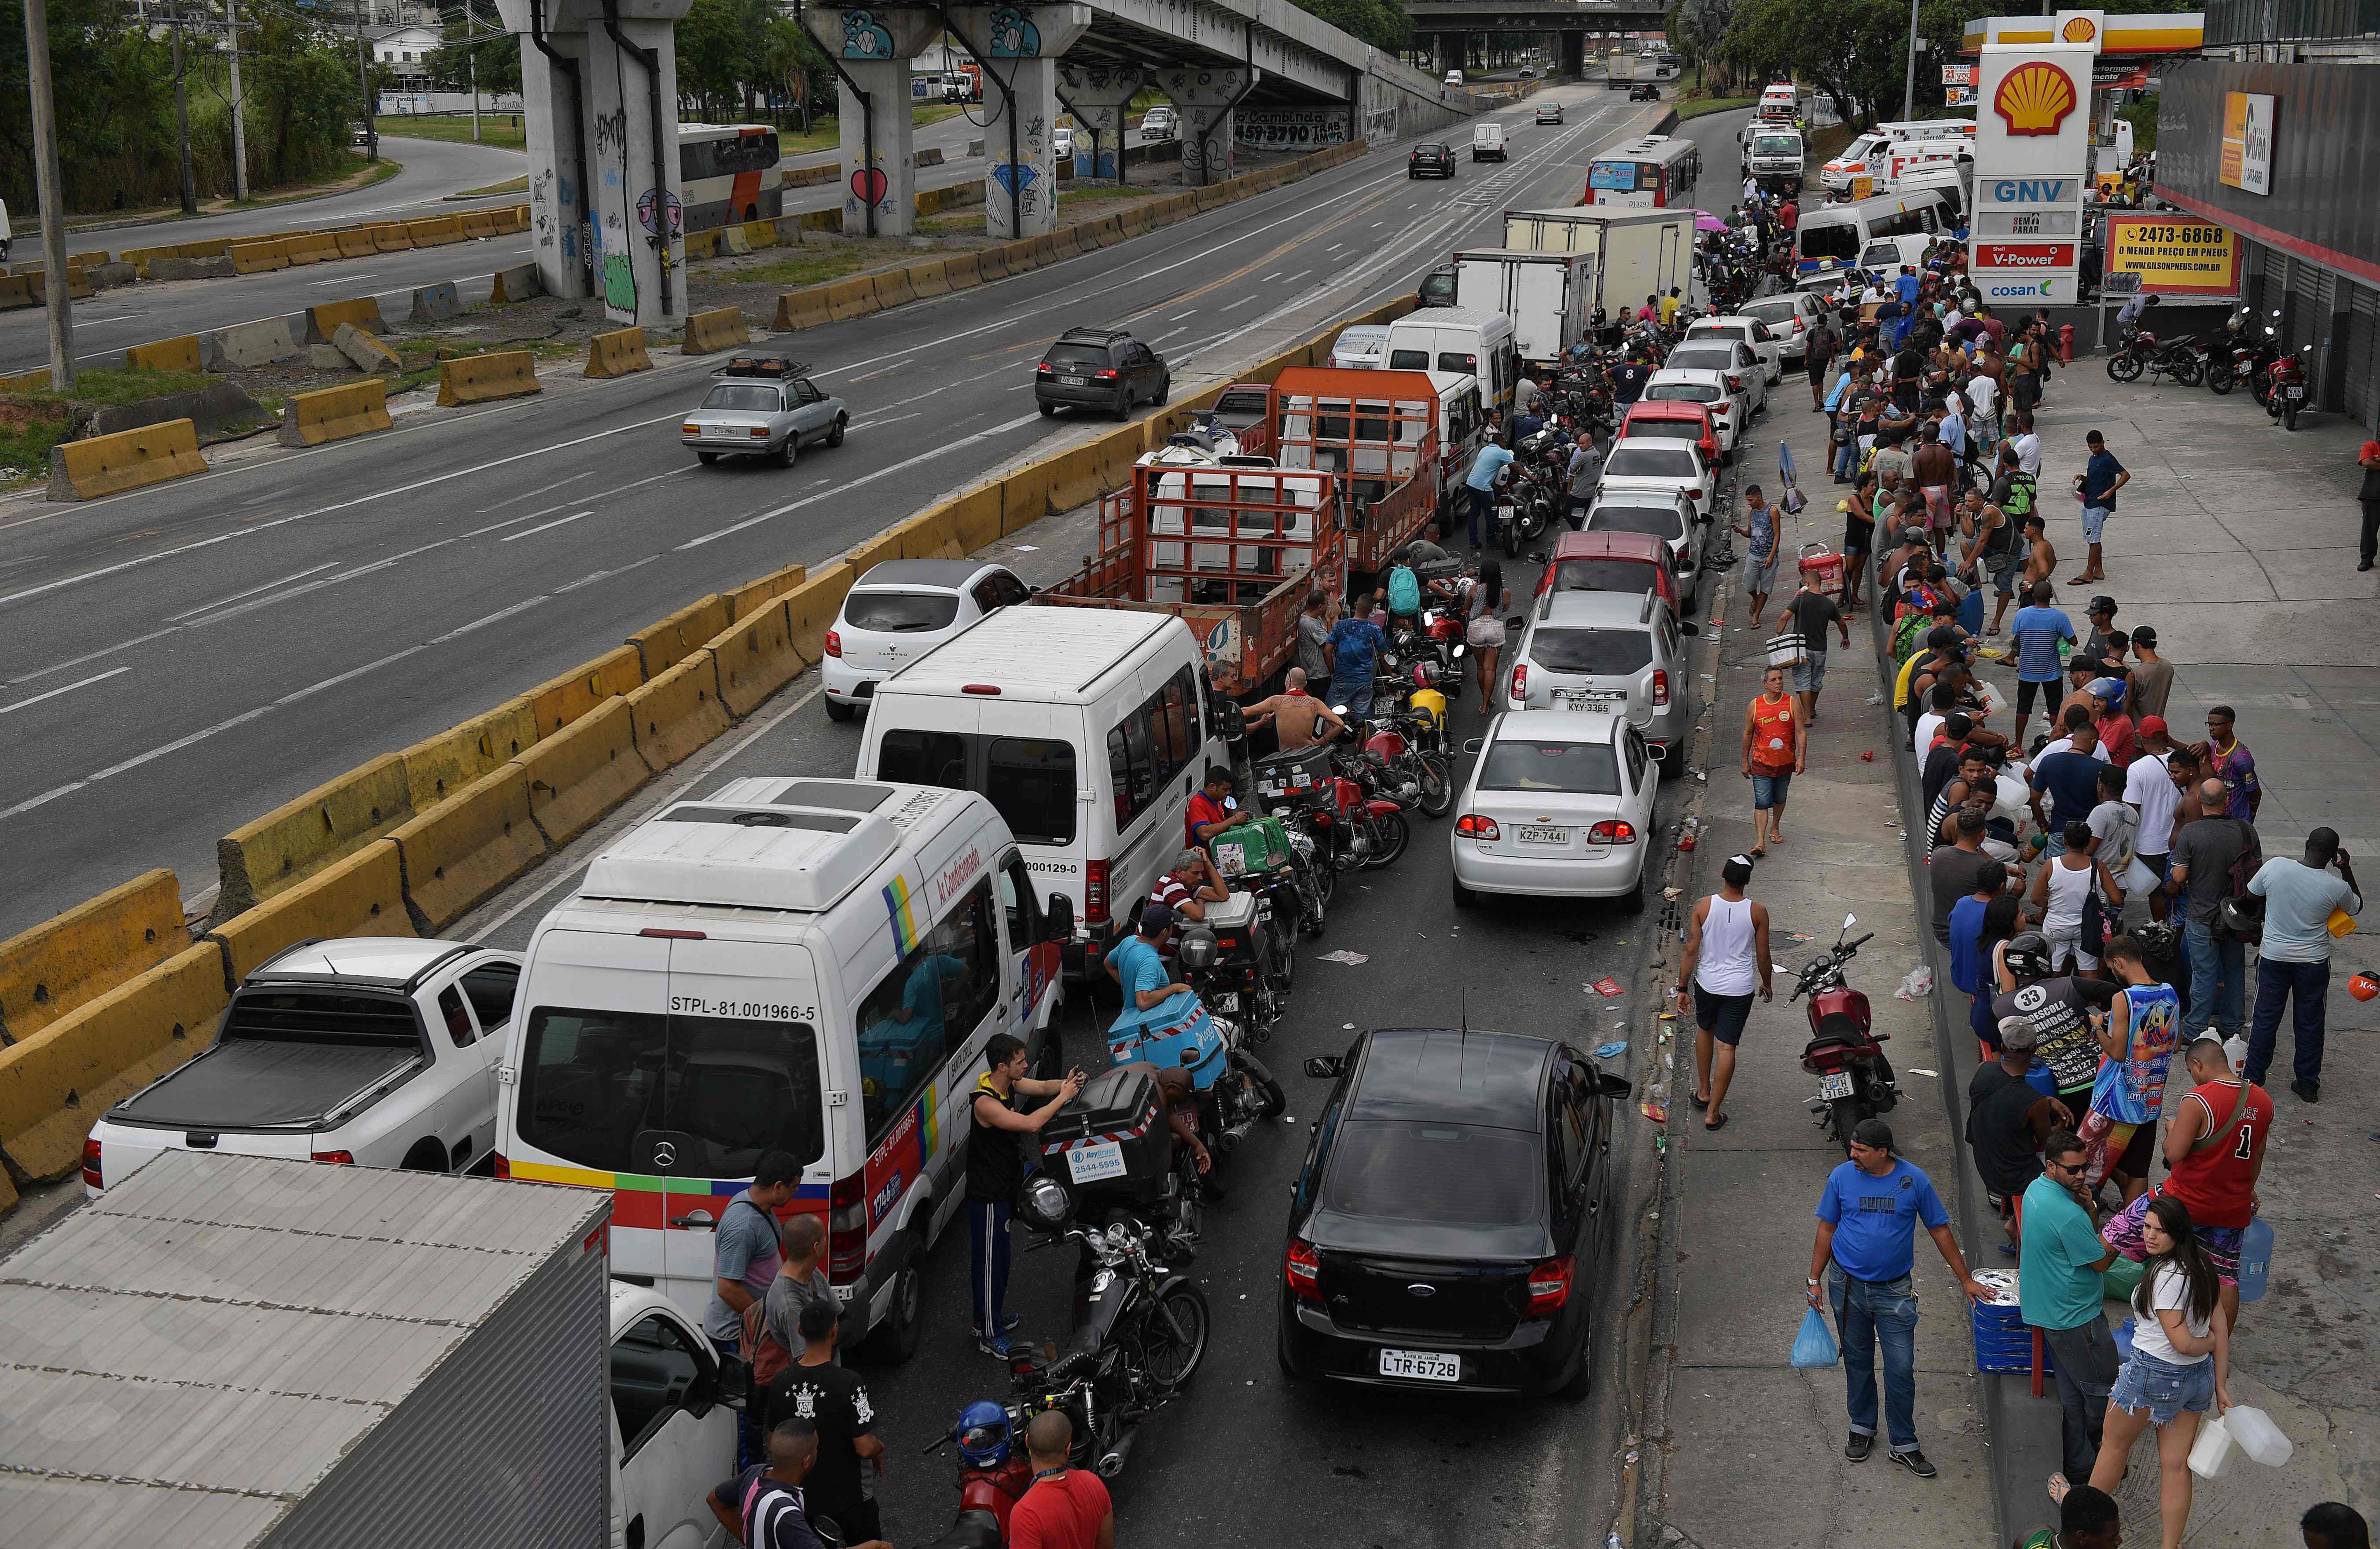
(1430, 157)
(1099, 369)
(1449, 1224)
(1437, 289)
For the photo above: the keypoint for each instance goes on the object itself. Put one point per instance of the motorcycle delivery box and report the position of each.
(1111, 1142)
(1251, 848)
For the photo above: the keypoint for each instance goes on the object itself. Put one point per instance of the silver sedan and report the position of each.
(751, 416)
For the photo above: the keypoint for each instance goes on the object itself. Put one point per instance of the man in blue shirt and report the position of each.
(2038, 628)
(2070, 780)
(2097, 484)
(1354, 641)
(1486, 470)
(1867, 1248)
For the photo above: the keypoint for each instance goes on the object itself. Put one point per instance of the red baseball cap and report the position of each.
(2153, 727)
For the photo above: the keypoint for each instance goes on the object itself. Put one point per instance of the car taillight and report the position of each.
(1094, 894)
(1798, 327)
(1520, 683)
(1108, 375)
(1478, 827)
(759, 432)
(337, 1158)
(1303, 1269)
(1613, 832)
(1660, 686)
(503, 1167)
(1549, 1285)
(691, 429)
(92, 1176)
(835, 644)
(1693, 494)
(846, 1230)
(1045, 368)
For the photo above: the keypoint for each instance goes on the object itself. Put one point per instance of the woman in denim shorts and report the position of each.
(2180, 1363)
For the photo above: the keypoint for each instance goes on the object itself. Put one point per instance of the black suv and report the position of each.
(1432, 158)
(1100, 368)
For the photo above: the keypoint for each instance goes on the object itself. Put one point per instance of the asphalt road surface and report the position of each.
(179, 659)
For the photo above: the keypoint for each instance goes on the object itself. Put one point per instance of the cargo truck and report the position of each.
(1633, 253)
(1544, 294)
(1619, 71)
(251, 1352)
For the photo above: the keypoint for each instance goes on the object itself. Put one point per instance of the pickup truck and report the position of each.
(376, 1051)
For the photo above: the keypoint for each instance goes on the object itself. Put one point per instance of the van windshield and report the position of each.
(600, 1088)
(1028, 781)
(1777, 145)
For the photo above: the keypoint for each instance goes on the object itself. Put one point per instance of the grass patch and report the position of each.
(1697, 107)
(509, 186)
(1094, 195)
(826, 134)
(98, 385)
(30, 423)
(501, 129)
(809, 269)
(1828, 143)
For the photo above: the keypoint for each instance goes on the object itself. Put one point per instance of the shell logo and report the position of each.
(2079, 29)
(2034, 99)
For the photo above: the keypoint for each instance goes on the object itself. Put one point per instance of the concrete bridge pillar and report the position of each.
(1205, 99)
(564, 239)
(1020, 45)
(1098, 94)
(872, 48)
(1574, 54)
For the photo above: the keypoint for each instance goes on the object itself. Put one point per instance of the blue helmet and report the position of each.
(983, 1435)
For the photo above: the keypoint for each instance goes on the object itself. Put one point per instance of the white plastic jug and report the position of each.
(2211, 1455)
(2253, 1430)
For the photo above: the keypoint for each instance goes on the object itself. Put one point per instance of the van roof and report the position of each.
(1446, 317)
(795, 844)
(1043, 654)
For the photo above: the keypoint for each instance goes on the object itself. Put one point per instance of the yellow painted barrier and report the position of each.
(434, 233)
(1024, 497)
(1045, 251)
(335, 412)
(476, 223)
(930, 278)
(81, 470)
(56, 1083)
(846, 299)
(165, 355)
(676, 714)
(481, 378)
(756, 658)
(753, 595)
(701, 244)
(458, 852)
(583, 771)
(356, 242)
(575, 695)
(608, 354)
(893, 288)
(16, 290)
(311, 248)
(974, 518)
(811, 608)
(392, 237)
(31, 381)
(256, 257)
(963, 271)
(361, 895)
(991, 263)
(721, 329)
(81, 953)
(661, 645)
(437, 767)
(273, 854)
(803, 308)
(760, 233)
(362, 312)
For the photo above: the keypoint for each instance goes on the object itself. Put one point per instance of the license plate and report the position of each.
(2297, 392)
(1071, 382)
(1544, 836)
(1579, 699)
(1834, 1084)
(1088, 1164)
(1228, 1001)
(1428, 1365)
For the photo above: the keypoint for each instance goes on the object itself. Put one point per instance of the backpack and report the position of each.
(766, 1357)
(2019, 504)
(2242, 912)
(1905, 636)
(1404, 590)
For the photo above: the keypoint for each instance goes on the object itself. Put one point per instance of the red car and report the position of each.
(1610, 562)
(1674, 419)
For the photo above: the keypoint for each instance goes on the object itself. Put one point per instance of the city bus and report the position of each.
(728, 173)
(1657, 172)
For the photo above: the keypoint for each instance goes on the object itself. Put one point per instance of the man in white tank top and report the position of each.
(1725, 961)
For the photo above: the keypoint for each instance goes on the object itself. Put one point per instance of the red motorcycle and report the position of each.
(2285, 391)
(993, 1474)
(1845, 1052)
(1415, 773)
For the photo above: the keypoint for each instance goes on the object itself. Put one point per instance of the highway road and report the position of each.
(179, 659)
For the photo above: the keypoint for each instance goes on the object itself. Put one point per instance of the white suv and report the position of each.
(901, 610)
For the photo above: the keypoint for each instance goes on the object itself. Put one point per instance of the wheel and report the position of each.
(787, 455)
(836, 712)
(1437, 786)
(1513, 538)
(706, 458)
(1844, 1114)
(2189, 370)
(1122, 409)
(1395, 833)
(2290, 416)
(895, 1340)
(1164, 390)
(1174, 1338)
(2124, 366)
(1271, 1099)
(1049, 411)
(1632, 901)
(2221, 381)
(2273, 405)
(1463, 896)
(834, 433)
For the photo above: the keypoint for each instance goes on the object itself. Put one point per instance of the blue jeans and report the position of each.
(2305, 986)
(1483, 511)
(987, 1262)
(1356, 695)
(1868, 1313)
(2218, 984)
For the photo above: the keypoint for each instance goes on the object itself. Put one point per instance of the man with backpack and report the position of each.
(746, 1258)
(2212, 861)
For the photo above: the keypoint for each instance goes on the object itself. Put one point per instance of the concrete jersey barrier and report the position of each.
(481, 378)
(76, 955)
(276, 851)
(335, 412)
(608, 354)
(97, 466)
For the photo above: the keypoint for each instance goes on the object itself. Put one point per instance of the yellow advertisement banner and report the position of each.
(2175, 255)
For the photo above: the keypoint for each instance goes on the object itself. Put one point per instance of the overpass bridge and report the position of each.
(1450, 23)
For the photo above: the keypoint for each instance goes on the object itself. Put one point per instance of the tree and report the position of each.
(1380, 23)
(1697, 28)
(450, 64)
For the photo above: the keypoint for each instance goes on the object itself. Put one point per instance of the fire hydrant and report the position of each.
(2066, 343)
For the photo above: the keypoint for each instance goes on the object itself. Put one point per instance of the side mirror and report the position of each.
(1058, 919)
(1474, 745)
(1607, 1085)
(1326, 1067)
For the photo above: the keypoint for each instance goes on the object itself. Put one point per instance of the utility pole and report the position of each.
(364, 91)
(1909, 80)
(47, 183)
(238, 110)
(182, 121)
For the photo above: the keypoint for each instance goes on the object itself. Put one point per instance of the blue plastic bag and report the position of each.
(1814, 1346)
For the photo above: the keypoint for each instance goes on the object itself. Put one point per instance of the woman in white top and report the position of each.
(2180, 1363)
(2062, 890)
(1725, 960)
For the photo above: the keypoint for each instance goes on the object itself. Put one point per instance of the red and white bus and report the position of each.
(1657, 172)
(728, 173)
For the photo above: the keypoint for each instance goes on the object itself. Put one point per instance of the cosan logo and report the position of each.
(2007, 292)
(2033, 190)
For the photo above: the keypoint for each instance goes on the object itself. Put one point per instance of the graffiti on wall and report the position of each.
(1294, 129)
(864, 37)
(650, 205)
(1013, 36)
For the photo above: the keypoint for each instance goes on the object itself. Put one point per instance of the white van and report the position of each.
(1088, 728)
(1361, 347)
(1454, 77)
(1461, 341)
(1780, 102)
(1487, 141)
(1866, 156)
(1839, 236)
(789, 964)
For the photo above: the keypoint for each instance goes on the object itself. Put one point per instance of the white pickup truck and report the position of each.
(376, 1051)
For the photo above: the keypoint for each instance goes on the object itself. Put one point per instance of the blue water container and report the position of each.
(2124, 1339)
(2255, 1258)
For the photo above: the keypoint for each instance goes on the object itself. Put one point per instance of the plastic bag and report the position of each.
(1915, 984)
(1814, 1346)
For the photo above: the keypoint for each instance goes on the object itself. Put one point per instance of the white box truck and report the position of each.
(252, 1352)
(1635, 253)
(1544, 294)
(1619, 71)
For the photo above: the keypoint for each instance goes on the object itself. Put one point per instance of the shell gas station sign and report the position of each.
(2033, 157)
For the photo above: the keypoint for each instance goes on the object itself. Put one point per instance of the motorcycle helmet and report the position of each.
(983, 1434)
(1045, 1205)
(1195, 949)
(2028, 955)
(2365, 986)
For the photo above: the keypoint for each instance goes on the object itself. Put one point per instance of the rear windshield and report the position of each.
(1774, 311)
(1683, 392)
(1643, 425)
(1435, 1172)
(1584, 768)
(757, 397)
(1431, 148)
(1629, 461)
(1603, 653)
(1029, 781)
(1660, 521)
(1716, 331)
(900, 612)
(314, 1016)
(1775, 145)
(1605, 576)
(600, 1088)
(1705, 357)
(1829, 241)
(1095, 357)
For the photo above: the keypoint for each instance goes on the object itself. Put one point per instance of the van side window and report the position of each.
(656, 1372)
(926, 1005)
(1408, 360)
(1030, 782)
(1174, 719)
(1021, 902)
(923, 758)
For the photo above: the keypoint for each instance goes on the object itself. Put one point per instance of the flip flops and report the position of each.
(1715, 1123)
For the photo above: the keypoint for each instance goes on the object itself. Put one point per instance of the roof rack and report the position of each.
(772, 367)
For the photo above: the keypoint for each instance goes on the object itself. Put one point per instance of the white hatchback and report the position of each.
(900, 610)
(1751, 331)
(1560, 805)
(1788, 317)
(1730, 411)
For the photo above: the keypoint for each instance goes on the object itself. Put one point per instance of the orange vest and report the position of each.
(1772, 733)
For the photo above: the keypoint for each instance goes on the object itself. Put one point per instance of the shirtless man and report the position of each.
(2040, 558)
(1296, 715)
(1935, 468)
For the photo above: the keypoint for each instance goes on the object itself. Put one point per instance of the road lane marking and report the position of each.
(6, 709)
(604, 574)
(1244, 300)
(501, 613)
(1179, 316)
(548, 526)
(228, 602)
(886, 371)
(1002, 428)
(532, 494)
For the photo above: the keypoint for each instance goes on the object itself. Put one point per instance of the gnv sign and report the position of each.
(2055, 192)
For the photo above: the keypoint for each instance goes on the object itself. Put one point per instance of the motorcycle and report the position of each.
(1289, 786)
(2244, 363)
(993, 1474)
(1844, 1052)
(2285, 397)
(1408, 768)
(2182, 359)
(1325, 804)
(1228, 962)
(1370, 806)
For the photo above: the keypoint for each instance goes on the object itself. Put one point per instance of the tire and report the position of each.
(834, 433)
(1122, 409)
(2189, 370)
(2221, 382)
(706, 458)
(1844, 1114)
(1395, 834)
(2290, 416)
(1049, 411)
(2273, 405)
(1164, 390)
(2123, 365)
(1435, 776)
(1513, 538)
(896, 1338)
(1271, 1101)
(1463, 896)
(841, 712)
(788, 455)
(1170, 1363)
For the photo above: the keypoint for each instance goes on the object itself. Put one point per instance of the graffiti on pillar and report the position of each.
(1288, 129)
(1013, 36)
(540, 205)
(868, 185)
(1381, 124)
(620, 285)
(654, 207)
(864, 37)
(612, 133)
